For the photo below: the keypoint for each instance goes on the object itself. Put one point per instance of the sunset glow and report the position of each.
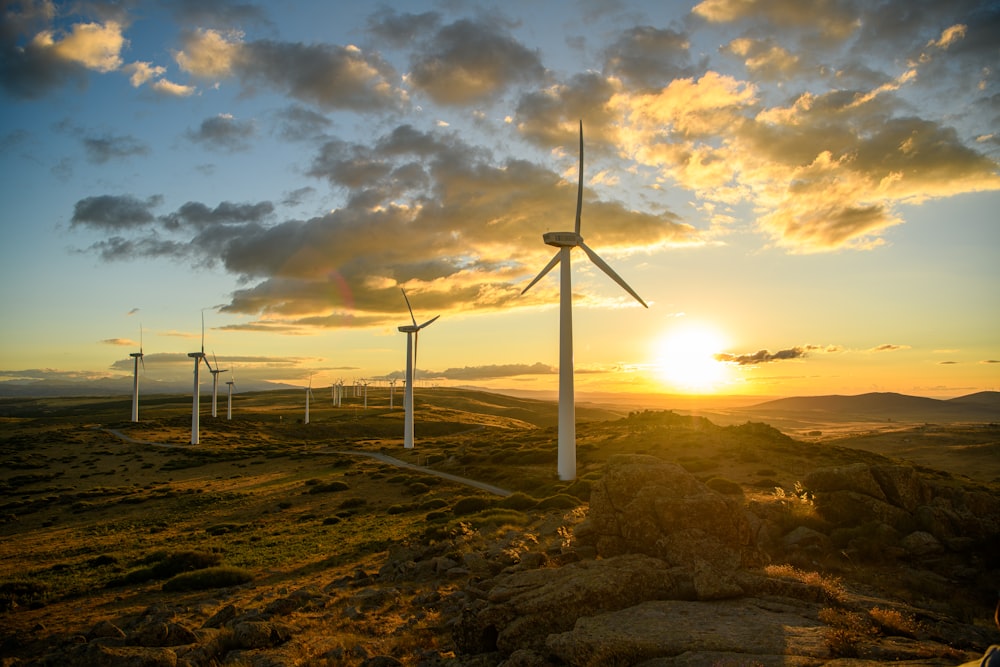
(820, 183)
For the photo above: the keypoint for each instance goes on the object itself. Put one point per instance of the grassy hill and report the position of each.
(98, 515)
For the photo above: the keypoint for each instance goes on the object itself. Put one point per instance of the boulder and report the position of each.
(856, 477)
(644, 505)
(524, 607)
(673, 627)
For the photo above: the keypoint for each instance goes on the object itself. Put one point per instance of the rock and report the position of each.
(99, 655)
(105, 630)
(161, 633)
(853, 508)
(920, 543)
(670, 628)
(525, 606)
(902, 486)
(856, 477)
(806, 538)
(221, 617)
(260, 634)
(648, 506)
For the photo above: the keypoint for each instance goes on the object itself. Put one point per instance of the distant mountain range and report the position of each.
(880, 406)
(117, 386)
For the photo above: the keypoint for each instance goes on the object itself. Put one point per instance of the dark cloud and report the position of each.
(549, 117)
(298, 196)
(223, 132)
(217, 13)
(651, 57)
(119, 341)
(200, 216)
(469, 62)
(296, 123)
(889, 347)
(31, 71)
(401, 29)
(111, 212)
(497, 371)
(104, 149)
(762, 356)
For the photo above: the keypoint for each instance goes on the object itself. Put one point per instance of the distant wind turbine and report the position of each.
(231, 382)
(309, 391)
(566, 241)
(196, 399)
(412, 331)
(215, 383)
(137, 359)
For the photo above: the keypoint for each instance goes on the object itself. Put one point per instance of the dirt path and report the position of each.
(374, 455)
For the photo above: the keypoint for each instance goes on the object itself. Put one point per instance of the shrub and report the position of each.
(580, 489)
(14, 594)
(351, 503)
(470, 505)
(329, 487)
(518, 501)
(560, 501)
(726, 487)
(498, 517)
(433, 504)
(417, 488)
(166, 565)
(213, 577)
(398, 509)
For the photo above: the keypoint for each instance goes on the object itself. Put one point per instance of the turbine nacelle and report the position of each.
(562, 239)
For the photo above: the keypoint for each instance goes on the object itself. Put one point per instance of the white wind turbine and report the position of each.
(196, 395)
(231, 382)
(215, 383)
(412, 331)
(137, 359)
(309, 391)
(566, 241)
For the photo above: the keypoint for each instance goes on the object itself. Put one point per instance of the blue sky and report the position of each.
(804, 192)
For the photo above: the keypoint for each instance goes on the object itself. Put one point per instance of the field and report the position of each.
(99, 516)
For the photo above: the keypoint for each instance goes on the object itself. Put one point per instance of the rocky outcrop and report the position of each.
(648, 506)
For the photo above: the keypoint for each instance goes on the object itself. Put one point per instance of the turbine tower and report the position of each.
(231, 382)
(137, 359)
(196, 394)
(565, 242)
(309, 391)
(412, 331)
(215, 383)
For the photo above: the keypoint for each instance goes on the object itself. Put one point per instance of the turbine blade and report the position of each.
(579, 191)
(142, 362)
(428, 322)
(408, 307)
(548, 267)
(611, 273)
(205, 359)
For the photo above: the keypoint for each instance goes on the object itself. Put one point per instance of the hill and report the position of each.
(885, 406)
(281, 543)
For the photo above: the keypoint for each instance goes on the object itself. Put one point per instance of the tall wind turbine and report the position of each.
(231, 382)
(215, 383)
(565, 242)
(412, 331)
(195, 401)
(137, 359)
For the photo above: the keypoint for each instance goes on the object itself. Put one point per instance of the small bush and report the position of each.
(213, 577)
(518, 501)
(329, 487)
(14, 594)
(351, 503)
(560, 501)
(498, 517)
(726, 487)
(417, 489)
(470, 505)
(398, 509)
(433, 504)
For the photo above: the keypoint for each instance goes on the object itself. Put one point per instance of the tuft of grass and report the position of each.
(826, 587)
(31, 594)
(329, 487)
(894, 623)
(560, 501)
(212, 577)
(470, 505)
(518, 501)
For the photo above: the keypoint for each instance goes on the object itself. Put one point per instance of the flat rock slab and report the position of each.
(670, 628)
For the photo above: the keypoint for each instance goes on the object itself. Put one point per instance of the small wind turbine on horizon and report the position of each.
(215, 383)
(412, 332)
(565, 242)
(196, 394)
(309, 391)
(137, 359)
(231, 382)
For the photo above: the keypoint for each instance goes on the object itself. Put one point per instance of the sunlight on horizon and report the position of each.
(686, 359)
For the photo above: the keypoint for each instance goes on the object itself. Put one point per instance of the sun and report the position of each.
(687, 360)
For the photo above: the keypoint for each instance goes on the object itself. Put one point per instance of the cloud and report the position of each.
(651, 57)
(104, 149)
(171, 89)
(125, 342)
(829, 19)
(764, 57)
(763, 356)
(296, 123)
(142, 72)
(114, 213)
(497, 371)
(401, 29)
(329, 76)
(470, 62)
(471, 225)
(889, 347)
(224, 132)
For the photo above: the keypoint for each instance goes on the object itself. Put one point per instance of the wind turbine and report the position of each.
(137, 357)
(309, 391)
(195, 401)
(229, 401)
(215, 383)
(565, 242)
(412, 331)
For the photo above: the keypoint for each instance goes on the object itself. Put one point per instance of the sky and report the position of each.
(805, 193)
